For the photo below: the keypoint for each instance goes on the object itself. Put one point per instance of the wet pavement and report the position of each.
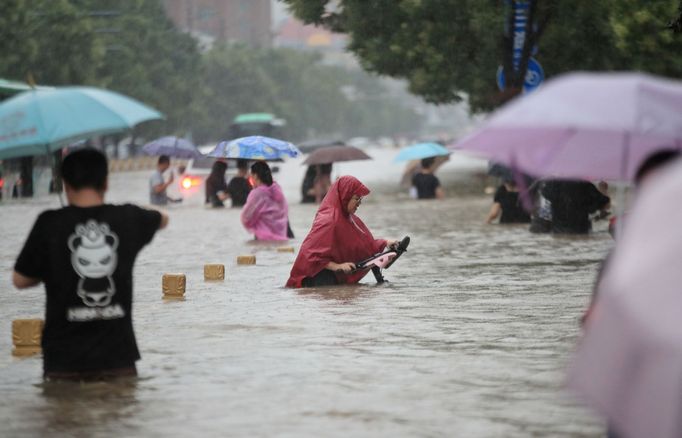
(469, 338)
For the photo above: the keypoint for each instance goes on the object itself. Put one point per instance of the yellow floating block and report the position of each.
(174, 286)
(26, 335)
(246, 260)
(285, 249)
(214, 271)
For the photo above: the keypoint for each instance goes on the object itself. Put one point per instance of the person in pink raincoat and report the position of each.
(265, 213)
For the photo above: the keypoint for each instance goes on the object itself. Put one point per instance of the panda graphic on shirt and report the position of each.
(94, 258)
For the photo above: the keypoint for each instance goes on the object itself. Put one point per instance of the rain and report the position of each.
(340, 218)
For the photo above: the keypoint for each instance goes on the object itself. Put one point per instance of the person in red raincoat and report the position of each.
(337, 239)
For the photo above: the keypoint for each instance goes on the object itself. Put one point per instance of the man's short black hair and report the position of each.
(85, 168)
(164, 159)
(427, 162)
(242, 164)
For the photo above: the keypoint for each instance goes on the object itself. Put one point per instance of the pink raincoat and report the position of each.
(266, 213)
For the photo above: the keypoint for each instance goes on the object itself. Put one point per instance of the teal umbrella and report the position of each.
(421, 150)
(38, 121)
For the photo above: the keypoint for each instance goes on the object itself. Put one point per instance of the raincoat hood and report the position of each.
(273, 191)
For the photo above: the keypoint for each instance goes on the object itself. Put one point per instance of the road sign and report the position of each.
(534, 76)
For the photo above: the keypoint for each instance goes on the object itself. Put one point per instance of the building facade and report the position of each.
(243, 21)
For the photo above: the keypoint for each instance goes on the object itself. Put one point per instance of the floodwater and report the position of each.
(469, 338)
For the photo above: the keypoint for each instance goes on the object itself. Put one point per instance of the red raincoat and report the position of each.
(336, 236)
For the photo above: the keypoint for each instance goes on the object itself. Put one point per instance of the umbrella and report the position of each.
(172, 146)
(14, 87)
(629, 363)
(333, 154)
(584, 125)
(420, 151)
(308, 146)
(255, 147)
(35, 122)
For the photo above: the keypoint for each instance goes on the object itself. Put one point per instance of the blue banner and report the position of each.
(520, 20)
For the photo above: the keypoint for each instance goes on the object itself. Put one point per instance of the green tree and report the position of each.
(52, 42)
(148, 58)
(130, 46)
(676, 23)
(448, 47)
(642, 39)
(299, 88)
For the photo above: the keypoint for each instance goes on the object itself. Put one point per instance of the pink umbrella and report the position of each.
(629, 364)
(584, 125)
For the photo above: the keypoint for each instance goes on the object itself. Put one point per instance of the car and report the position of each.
(192, 182)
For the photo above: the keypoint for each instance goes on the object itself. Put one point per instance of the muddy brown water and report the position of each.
(469, 338)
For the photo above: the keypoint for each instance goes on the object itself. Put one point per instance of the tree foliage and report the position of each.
(30, 50)
(130, 46)
(448, 47)
(295, 86)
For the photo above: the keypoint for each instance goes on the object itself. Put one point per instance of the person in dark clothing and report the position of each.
(308, 186)
(507, 205)
(216, 187)
(239, 187)
(84, 254)
(426, 183)
(541, 217)
(323, 181)
(572, 202)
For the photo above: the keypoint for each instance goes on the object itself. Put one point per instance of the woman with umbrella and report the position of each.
(337, 239)
(317, 179)
(265, 213)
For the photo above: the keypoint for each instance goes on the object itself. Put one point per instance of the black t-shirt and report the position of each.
(239, 189)
(85, 257)
(512, 210)
(572, 202)
(426, 185)
(213, 186)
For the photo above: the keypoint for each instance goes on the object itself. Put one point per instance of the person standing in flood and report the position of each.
(507, 205)
(239, 187)
(157, 185)
(426, 183)
(572, 202)
(216, 187)
(323, 181)
(265, 213)
(84, 254)
(337, 239)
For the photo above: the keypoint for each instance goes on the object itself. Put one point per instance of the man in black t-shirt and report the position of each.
(572, 203)
(84, 253)
(507, 205)
(426, 183)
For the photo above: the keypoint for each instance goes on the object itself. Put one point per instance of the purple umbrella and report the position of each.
(172, 146)
(584, 125)
(629, 363)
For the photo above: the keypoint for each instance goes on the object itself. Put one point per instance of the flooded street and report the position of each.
(469, 338)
